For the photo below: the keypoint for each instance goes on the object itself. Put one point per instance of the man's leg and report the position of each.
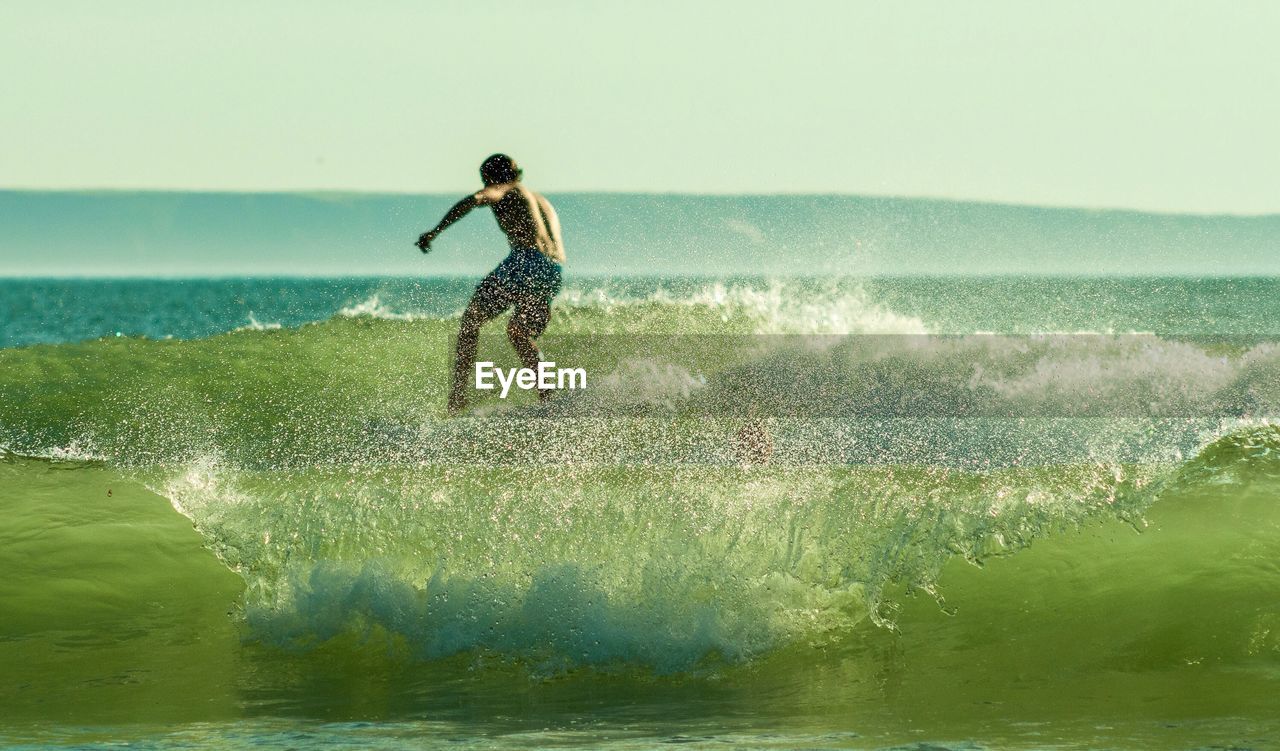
(488, 302)
(527, 323)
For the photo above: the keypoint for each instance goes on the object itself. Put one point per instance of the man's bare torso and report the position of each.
(525, 217)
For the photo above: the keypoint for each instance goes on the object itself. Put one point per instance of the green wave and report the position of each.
(1116, 593)
(345, 534)
(724, 562)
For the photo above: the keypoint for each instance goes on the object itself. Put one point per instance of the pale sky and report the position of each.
(1162, 105)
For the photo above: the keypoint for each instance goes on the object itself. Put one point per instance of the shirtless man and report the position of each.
(528, 278)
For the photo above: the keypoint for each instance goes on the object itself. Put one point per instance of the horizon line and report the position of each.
(357, 193)
(463, 276)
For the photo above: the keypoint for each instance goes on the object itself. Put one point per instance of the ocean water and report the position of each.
(1000, 512)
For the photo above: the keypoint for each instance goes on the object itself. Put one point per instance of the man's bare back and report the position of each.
(525, 217)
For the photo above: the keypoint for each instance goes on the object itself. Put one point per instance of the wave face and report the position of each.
(1046, 534)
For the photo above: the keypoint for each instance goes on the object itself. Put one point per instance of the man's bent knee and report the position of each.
(471, 321)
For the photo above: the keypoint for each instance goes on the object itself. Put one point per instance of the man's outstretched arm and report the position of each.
(459, 210)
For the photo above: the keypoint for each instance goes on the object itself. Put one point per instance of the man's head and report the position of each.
(499, 169)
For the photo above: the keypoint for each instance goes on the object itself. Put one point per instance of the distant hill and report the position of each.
(215, 234)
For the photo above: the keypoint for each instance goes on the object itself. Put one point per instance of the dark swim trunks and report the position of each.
(526, 279)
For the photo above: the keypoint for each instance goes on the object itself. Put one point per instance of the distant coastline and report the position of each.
(201, 234)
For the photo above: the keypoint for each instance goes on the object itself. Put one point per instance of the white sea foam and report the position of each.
(255, 325)
(776, 308)
(374, 307)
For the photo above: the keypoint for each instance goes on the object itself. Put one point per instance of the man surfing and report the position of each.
(529, 277)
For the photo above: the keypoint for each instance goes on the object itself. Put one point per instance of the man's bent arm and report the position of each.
(459, 210)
